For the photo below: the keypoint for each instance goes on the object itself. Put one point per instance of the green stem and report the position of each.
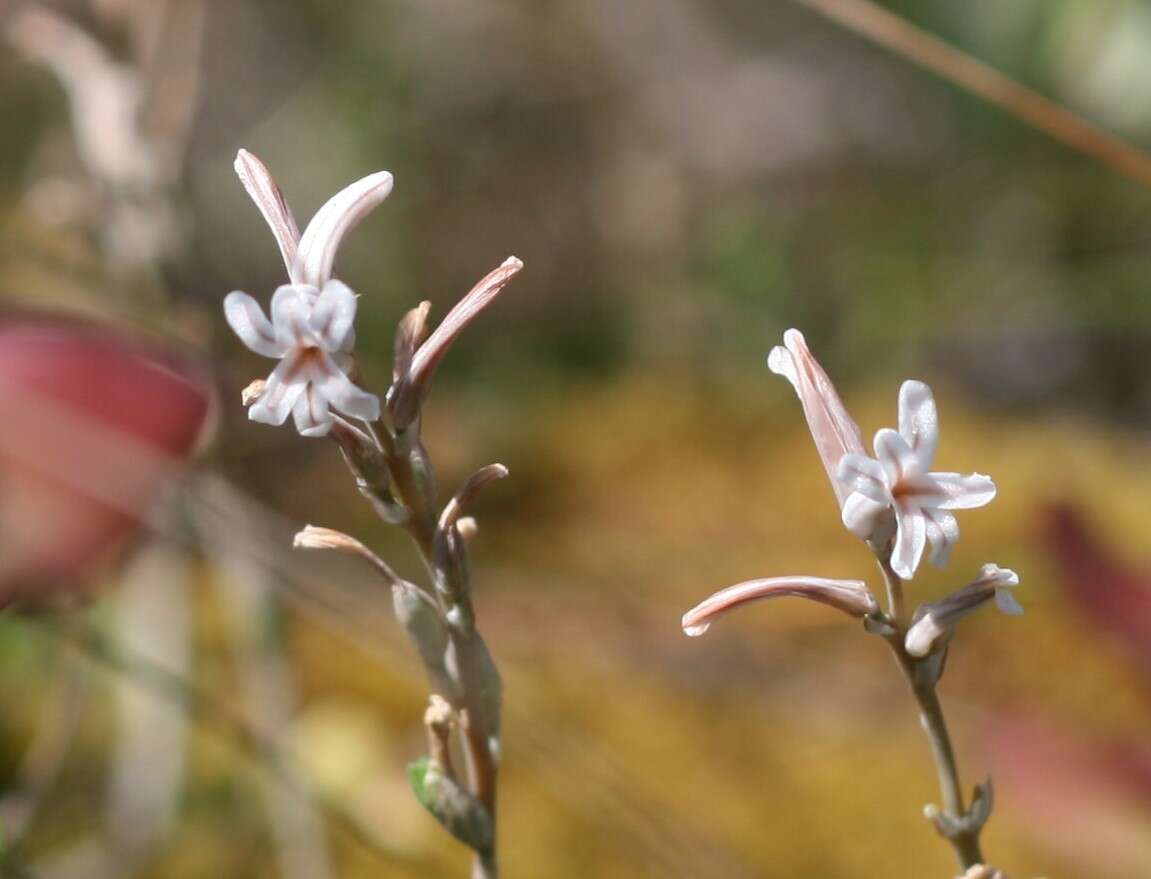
(414, 491)
(965, 842)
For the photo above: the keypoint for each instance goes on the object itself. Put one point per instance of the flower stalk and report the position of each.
(310, 332)
(899, 507)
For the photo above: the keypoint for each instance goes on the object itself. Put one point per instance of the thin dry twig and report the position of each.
(870, 20)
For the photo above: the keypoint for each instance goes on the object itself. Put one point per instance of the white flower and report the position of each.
(937, 620)
(310, 332)
(898, 478)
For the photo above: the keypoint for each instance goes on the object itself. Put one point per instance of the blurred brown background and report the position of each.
(683, 180)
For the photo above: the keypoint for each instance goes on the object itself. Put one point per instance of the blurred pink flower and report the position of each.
(898, 478)
(1089, 802)
(96, 424)
(1106, 591)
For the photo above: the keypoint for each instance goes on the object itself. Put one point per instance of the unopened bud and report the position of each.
(410, 335)
(411, 387)
(935, 622)
(849, 596)
(460, 813)
(314, 537)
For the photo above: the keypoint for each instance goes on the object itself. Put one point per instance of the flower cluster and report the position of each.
(894, 501)
(311, 328)
(898, 505)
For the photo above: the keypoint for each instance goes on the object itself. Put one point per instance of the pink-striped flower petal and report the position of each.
(942, 534)
(919, 421)
(311, 413)
(895, 454)
(247, 321)
(849, 596)
(282, 388)
(865, 476)
(964, 492)
(266, 194)
(863, 516)
(342, 392)
(910, 539)
(322, 237)
(332, 315)
(834, 431)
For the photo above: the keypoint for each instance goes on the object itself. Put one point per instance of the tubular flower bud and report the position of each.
(849, 596)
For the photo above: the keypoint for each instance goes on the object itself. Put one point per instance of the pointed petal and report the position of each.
(918, 420)
(942, 534)
(322, 237)
(849, 596)
(898, 460)
(862, 516)
(834, 432)
(266, 194)
(342, 393)
(964, 492)
(332, 316)
(311, 414)
(864, 475)
(411, 389)
(284, 385)
(910, 539)
(291, 308)
(247, 321)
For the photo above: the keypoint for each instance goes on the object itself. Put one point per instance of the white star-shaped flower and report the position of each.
(311, 335)
(897, 478)
(310, 331)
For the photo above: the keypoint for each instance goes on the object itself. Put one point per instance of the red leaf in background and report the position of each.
(1107, 592)
(1080, 798)
(94, 423)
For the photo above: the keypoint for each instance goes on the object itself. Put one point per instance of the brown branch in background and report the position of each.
(881, 26)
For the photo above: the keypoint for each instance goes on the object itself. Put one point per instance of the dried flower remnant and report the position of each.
(935, 622)
(898, 477)
(849, 596)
